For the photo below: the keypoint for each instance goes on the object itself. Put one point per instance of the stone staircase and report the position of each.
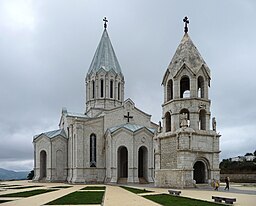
(122, 180)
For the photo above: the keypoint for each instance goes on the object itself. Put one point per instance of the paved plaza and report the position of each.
(115, 195)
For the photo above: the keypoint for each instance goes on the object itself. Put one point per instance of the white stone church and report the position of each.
(116, 142)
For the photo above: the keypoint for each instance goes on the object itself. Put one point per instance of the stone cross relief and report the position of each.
(128, 117)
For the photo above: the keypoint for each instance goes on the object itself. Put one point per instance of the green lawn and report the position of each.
(2, 201)
(94, 188)
(79, 198)
(135, 190)
(27, 193)
(169, 200)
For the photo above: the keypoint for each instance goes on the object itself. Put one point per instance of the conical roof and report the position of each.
(105, 57)
(187, 54)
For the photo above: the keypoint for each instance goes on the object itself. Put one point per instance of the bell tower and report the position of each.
(104, 80)
(186, 139)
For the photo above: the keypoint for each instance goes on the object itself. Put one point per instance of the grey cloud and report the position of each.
(43, 66)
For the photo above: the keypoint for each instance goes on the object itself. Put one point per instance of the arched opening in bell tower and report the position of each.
(184, 87)
(169, 90)
(200, 87)
(202, 119)
(167, 122)
(185, 111)
(200, 173)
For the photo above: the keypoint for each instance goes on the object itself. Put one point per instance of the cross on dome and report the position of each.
(105, 22)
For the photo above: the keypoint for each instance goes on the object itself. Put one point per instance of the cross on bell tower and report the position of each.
(186, 21)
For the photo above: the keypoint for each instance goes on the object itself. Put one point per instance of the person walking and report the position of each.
(227, 183)
(217, 184)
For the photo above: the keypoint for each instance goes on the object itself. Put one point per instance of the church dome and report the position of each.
(105, 57)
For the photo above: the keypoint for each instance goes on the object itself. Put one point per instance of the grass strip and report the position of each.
(79, 198)
(170, 200)
(94, 188)
(135, 190)
(28, 193)
(2, 201)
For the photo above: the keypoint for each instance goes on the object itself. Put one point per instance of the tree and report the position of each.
(248, 154)
(30, 175)
(254, 153)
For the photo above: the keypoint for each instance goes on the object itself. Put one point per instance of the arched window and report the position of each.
(185, 111)
(200, 87)
(93, 150)
(184, 87)
(93, 89)
(111, 89)
(169, 90)
(167, 122)
(101, 88)
(119, 91)
(202, 119)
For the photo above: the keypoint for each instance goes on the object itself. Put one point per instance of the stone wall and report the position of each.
(245, 178)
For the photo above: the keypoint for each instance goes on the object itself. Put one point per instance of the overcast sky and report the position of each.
(46, 47)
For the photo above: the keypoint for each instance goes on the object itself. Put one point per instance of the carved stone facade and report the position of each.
(188, 148)
(113, 141)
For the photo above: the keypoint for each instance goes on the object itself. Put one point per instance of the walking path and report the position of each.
(115, 195)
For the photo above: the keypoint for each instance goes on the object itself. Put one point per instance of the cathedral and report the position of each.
(113, 141)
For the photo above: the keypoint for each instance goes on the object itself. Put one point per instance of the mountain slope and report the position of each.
(12, 175)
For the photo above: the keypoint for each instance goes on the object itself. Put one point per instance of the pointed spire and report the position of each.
(105, 57)
(188, 54)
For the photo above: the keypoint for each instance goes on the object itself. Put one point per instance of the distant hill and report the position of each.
(12, 175)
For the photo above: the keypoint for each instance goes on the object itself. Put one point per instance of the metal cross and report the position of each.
(105, 22)
(128, 116)
(186, 21)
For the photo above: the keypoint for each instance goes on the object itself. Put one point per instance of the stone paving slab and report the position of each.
(42, 199)
(115, 195)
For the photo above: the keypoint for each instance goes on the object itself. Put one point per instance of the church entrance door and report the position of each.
(122, 162)
(142, 163)
(42, 164)
(199, 172)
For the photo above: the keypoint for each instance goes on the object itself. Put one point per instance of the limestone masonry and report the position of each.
(114, 141)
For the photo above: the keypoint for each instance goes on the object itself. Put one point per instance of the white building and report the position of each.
(114, 141)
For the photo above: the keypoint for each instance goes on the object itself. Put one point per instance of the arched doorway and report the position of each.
(200, 172)
(143, 163)
(122, 162)
(43, 164)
